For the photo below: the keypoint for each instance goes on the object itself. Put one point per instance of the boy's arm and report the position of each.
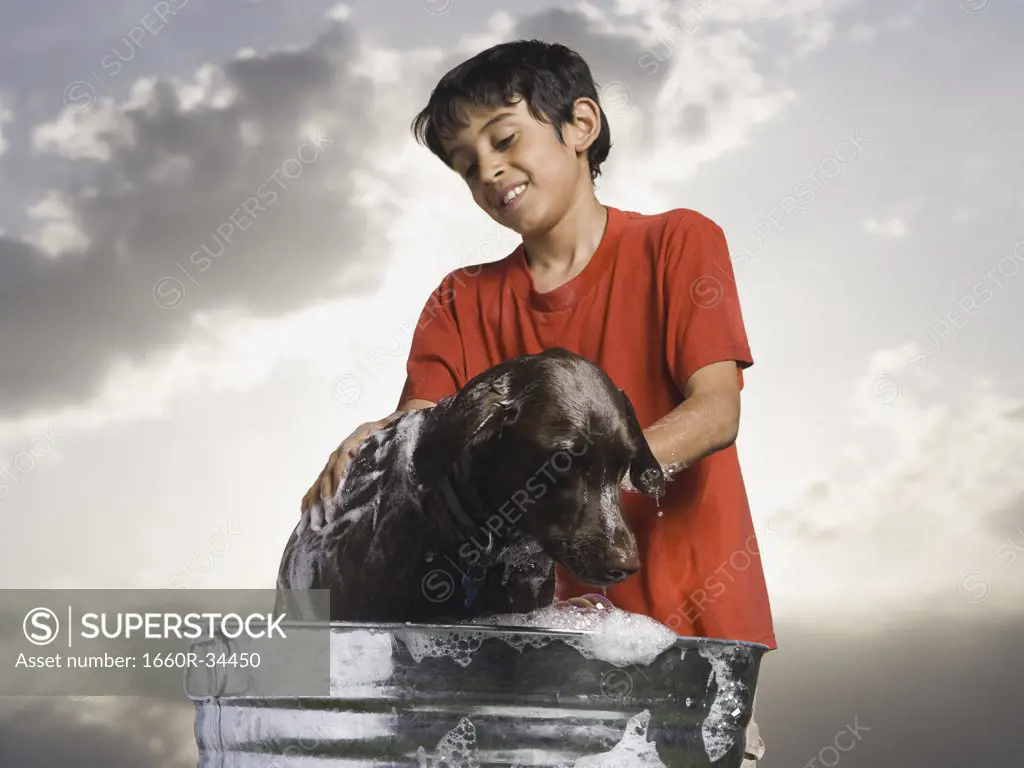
(708, 420)
(435, 368)
(412, 404)
(706, 346)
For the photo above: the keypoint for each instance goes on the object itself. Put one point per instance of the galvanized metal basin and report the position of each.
(434, 695)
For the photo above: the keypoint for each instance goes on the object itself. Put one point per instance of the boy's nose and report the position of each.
(492, 169)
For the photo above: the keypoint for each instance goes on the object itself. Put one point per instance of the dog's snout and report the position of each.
(612, 566)
(618, 575)
(620, 565)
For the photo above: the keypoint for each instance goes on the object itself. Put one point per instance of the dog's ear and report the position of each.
(474, 416)
(644, 470)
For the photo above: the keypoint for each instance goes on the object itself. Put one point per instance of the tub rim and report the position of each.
(489, 631)
(689, 641)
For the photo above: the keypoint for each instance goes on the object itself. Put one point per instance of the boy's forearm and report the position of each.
(701, 425)
(410, 405)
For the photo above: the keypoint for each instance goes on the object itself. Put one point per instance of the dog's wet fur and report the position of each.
(534, 449)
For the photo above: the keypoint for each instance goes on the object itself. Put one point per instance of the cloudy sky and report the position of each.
(161, 414)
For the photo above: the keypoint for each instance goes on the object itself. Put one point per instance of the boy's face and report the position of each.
(517, 169)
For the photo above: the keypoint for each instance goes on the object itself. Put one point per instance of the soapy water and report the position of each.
(608, 634)
(632, 751)
(611, 635)
(457, 645)
(719, 727)
(617, 637)
(457, 749)
(359, 658)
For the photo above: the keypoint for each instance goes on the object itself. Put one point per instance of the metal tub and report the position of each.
(434, 695)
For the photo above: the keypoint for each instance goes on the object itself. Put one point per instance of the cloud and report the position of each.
(129, 268)
(6, 116)
(875, 700)
(57, 231)
(892, 227)
(923, 511)
(235, 191)
(808, 22)
(107, 732)
(693, 97)
(861, 33)
(340, 12)
(963, 216)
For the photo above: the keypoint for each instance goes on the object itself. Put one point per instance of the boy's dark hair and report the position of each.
(549, 76)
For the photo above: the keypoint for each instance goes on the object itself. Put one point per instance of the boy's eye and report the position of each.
(471, 169)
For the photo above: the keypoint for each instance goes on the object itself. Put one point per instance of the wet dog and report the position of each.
(461, 510)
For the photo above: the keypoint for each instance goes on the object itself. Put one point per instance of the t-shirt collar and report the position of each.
(566, 296)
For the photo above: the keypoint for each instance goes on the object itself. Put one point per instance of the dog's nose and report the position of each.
(616, 574)
(622, 567)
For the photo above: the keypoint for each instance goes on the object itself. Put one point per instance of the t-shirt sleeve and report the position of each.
(704, 324)
(436, 365)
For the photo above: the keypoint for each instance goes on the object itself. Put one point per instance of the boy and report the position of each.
(649, 298)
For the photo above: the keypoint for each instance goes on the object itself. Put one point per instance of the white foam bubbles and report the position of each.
(408, 429)
(719, 727)
(457, 645)
(457, 749)
(625, 639)
(632, 751)
(360, 657)
(353, 515)
(612, 635)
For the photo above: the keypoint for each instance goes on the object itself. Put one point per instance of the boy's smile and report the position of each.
(511, 199)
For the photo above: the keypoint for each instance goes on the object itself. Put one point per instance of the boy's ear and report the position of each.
(644, 470)
(586, 123)
(474, 416)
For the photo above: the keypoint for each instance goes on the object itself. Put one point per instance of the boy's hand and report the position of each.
(318, 504)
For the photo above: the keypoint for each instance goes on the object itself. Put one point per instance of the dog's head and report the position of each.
(557, 437)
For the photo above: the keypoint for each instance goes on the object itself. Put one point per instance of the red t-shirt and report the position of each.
(656, 302)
